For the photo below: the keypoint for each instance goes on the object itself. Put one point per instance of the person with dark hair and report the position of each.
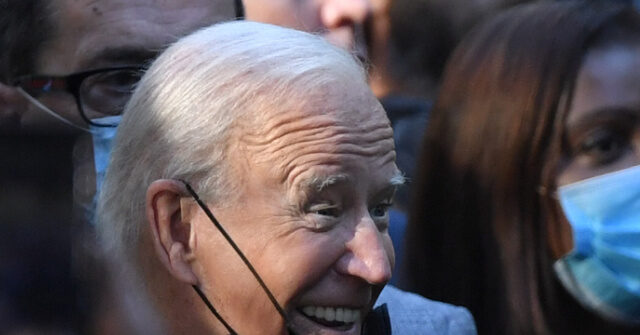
(422, 34)
(409, 42)
(69, 65)
(526, 207)
(63, 64)
(48, 47)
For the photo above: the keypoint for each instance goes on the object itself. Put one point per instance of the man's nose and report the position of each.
(367, 256)
(338, 13)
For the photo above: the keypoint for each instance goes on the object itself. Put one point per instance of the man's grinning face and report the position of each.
(311, 216)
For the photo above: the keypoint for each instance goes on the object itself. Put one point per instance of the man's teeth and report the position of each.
(340, 314)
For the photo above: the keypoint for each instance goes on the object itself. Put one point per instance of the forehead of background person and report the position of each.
(297, 14)
(90, 34)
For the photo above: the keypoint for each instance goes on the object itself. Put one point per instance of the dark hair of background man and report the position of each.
(24, 27)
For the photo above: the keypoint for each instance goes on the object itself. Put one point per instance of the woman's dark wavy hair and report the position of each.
(479, 230)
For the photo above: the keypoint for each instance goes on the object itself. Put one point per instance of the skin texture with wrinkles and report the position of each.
(314, 131)
(312, 247)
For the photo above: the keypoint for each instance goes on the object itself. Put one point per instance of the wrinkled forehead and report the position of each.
(333, 128)
(344, 102)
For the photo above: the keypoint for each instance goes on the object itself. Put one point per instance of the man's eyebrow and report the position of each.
(319, 183)
(398, 179)
(127, 55)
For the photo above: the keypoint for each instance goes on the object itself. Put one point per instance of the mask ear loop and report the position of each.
(213, 310)
(239, 252)
(49, 111)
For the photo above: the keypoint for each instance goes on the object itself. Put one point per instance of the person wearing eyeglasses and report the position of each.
(67, 67)
(67, 64)
(249, 189)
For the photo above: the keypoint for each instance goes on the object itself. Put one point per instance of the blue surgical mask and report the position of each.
(603, 270)
(102, 140)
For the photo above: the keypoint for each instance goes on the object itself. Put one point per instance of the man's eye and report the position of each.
(107, 93)
(380, 210)
(325, 210)
(603, 147)
(123, 81)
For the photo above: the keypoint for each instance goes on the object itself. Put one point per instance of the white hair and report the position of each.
(177, 124)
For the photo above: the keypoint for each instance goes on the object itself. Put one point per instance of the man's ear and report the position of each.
(171, 230)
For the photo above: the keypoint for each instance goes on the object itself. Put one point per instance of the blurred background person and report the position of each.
(409, 42)
(49, 47)
(419, 36)
(527, 202)
(63, 65)
(341, 22)
(70, 66)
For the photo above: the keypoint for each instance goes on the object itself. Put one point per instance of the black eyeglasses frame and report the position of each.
(70, 84)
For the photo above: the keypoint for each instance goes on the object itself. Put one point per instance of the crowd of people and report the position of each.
(320, 167)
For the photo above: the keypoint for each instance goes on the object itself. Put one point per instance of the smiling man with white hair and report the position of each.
(249, 188)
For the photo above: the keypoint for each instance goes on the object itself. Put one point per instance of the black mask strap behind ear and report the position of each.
(213, 310)
(235, 247)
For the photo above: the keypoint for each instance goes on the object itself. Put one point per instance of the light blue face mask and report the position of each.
(603, 270)
(102, 141)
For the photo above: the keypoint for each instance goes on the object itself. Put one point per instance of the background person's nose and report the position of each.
(339, 13)
(368, 255)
